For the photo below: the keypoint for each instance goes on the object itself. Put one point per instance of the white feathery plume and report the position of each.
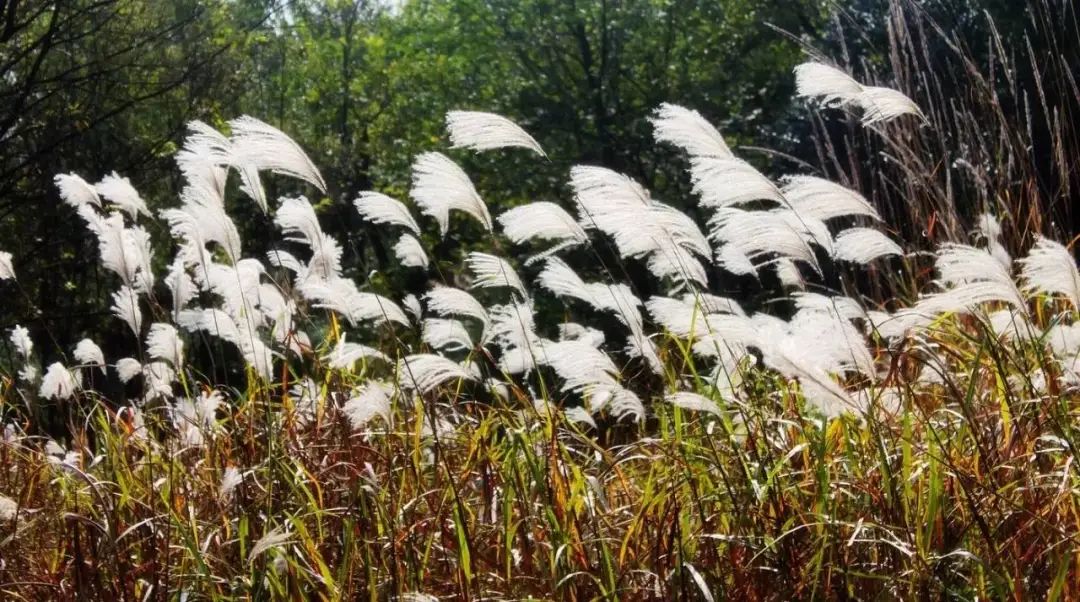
(230, 480)
(601, 192)
(59, 382)
(201, 220)
(831, 85)
(579, 365)
(692, 401)
(124, 251)
(571, 331)
(486, 131)
(544, 221)
(837, 89)
(76, 191)
(962, 298)
(344, 354)
(1064, 339)
(163, 343)
(379, 208)
(20, 338)
(513, 326)
(961, 264)
(220, 324)
(412, 305)
(7, 271)
(618, 299)
(713, 304)
(672, 261)
(28, 373)
(286, 260)
(121, 193)
(264, 147)
(753, 234)
(273, 539)
(619, 207)
(126, 307)
(340, 295)
(446, 334)
(89, 354)
(158, 378)
(827, 340)
(367, 402)
(617, 400)
(734, 260)
(439, 185)
(688, 130)
(885, 104)
(128, 368)
(201, 159)
(1049, 269)
(725, 182)
(842, 307)
(863, 245)
(821, 199)
(410, 252)
(180, 284)
(788, 273)
(424, 372)
(1012, 325)
(296, 218)
(490, 271)
(448, 301)
(988, 226)
(580, 415)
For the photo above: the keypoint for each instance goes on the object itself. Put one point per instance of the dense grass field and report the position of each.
(579, 414)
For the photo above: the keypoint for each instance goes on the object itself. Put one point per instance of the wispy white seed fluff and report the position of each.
(688, 130)
(486, 131)
(863, 245)
(7, 270)
(1050, 269)
(439, 185)
(379, 208)
(89, 354)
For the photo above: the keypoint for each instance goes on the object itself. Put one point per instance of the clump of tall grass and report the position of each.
(461, 443)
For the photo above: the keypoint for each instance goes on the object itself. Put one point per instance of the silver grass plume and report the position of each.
(163, 343)
(296, 218)
(367, 402)
(490, 271)
(410, 252)
(439, 185)
(446, 334)
(344, 355)
(821, 199)
(448, 301)
(59, 383)
(121, 193)
(726, 182)
(341, 296)
(863, 245)
(837, 89)
(258, 145)
(7, 270)
(543, 221)
(688, 130)
(486, 131)
(425, 372)
(76, 191)
(1049, 268)
(379, 208)
(126, 307)
(89, 354)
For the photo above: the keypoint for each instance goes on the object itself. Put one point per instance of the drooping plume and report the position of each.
(688, 130)
(379, 208)
(486, 131)
(837, 89)
(439, 185)
(1049, 268)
